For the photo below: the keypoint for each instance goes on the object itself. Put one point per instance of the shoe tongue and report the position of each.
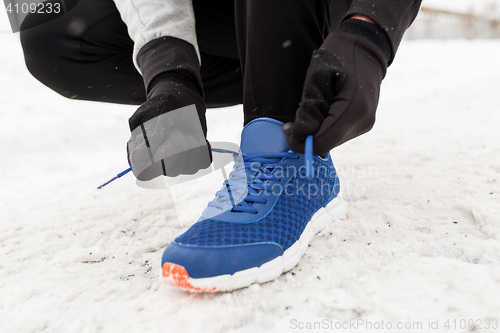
(263, 135)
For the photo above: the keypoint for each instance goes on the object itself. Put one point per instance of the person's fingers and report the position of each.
(325, 136)
(140, 157)
(163, 160)
(205, 155)
(171, 150)
(199, 155)
(185, 158)
(153, 108)
(324, 80)
(195, 158)
(152, 171)
(330, 132)
(174, 165)
(346, 120)
(147, 168)
(293, 143)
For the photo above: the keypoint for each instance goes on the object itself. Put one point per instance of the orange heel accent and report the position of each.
(177, 276)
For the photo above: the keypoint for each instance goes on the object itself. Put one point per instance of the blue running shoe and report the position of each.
(260, 223)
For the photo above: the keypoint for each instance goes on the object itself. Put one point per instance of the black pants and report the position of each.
(254, 52)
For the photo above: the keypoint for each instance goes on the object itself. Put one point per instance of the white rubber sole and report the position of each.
(177, 276)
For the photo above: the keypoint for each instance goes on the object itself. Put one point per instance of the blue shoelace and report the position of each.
(237, 183)
(308, 160)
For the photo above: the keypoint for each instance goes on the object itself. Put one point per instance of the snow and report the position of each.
(422, 242)
(464, 6)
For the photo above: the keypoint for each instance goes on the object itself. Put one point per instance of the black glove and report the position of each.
(341, 92)
(165, 141)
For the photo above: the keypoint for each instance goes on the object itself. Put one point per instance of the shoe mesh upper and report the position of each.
(285, 222)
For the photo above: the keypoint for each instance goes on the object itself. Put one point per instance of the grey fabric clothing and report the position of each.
(147, 20)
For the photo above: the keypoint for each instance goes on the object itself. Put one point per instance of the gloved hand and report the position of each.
(165, 140)
(340, 93)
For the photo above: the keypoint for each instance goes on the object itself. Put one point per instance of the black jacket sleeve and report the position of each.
(393, 16)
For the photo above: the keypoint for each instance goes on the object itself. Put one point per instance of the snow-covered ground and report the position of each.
(478, 7)
(422, 242)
